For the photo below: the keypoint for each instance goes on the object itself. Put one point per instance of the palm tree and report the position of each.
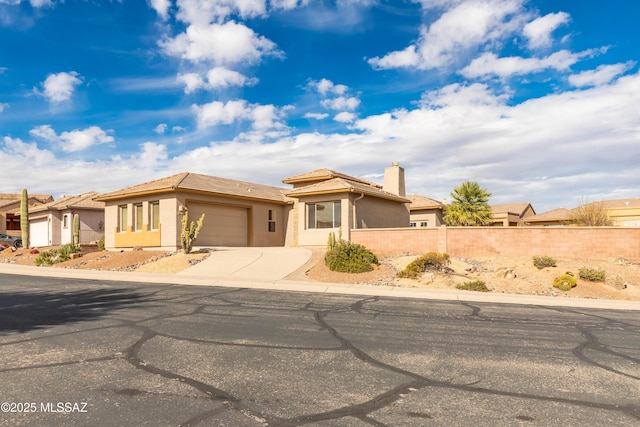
(469, 206)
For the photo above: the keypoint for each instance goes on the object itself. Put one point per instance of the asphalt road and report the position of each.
(90, 353)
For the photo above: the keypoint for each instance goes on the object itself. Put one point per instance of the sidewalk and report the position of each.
(266, 268)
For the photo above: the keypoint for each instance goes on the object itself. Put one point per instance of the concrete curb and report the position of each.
(317, 287)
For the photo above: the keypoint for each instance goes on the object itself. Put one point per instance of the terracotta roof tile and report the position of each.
(516, 208)
(188, 181)
(422, 202)
(559, 214)
(82, 201)
(325, 174)
(339, 185)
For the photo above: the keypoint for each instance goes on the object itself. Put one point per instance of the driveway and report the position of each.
(259, 264)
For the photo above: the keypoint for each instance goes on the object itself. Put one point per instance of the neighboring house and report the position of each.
(623, 212)
(425, 212)
(10, 210)
(329, 201)
(52, 224)
(239, 213)
(511, 214)
(554, 218)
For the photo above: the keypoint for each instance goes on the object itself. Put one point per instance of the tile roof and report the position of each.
(516, 208)
(422, 202)
(325, 174)
(187, 181)
(559, 214)
(620, 203)
(82, 201)
(341, 185)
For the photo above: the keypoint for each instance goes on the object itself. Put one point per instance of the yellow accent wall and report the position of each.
(142, 237)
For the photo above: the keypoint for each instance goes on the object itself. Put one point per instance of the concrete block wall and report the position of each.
(570, 242)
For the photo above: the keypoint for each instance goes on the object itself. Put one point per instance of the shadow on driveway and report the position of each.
(25, 311)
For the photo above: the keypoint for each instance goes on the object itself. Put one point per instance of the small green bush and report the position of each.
(543, 261)
(592, 274)
(476, 285)
(429, 261)
(101, 243)
(565, 282)
(54, 256)
(347, 257)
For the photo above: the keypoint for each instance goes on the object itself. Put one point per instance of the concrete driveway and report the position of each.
(259, 264)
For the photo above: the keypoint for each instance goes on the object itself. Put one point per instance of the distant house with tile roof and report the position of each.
(51, 224)
(511, 214)
(10, 210)
(623, 212)
(239, 213)
(553, 218)
(425, 212)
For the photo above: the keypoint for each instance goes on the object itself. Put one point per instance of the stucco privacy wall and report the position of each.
(572, 242)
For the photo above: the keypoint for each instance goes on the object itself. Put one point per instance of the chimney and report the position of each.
(394, 180)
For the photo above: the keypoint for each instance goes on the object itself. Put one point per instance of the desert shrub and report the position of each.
(101, 243)
(430, 261)
(476, 285)
(565, 282)
(347, 257)
(543, 261)
(54, 256)
(592, 274)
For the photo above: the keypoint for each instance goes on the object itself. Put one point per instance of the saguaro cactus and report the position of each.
(189, 232)
(24, 218)
(76, 230)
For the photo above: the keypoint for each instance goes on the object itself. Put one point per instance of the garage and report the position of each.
(223, 225)
(39, 233)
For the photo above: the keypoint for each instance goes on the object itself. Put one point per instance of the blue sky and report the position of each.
(535, 100)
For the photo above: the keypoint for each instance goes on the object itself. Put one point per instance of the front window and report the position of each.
(324, 215)
(65, 221)
(424, 224)
(137, 216)
(154, 215)
(272, 221)
(122, 217)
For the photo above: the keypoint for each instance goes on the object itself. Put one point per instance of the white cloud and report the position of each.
(59, 87)
(538, 32)
(465, 26)
(316, 116)
(600, 76)
(21, 153)
(161, 7)
(489, 64)
(223, 44)
(341, 103)
(263, 117)
(202, 12)
(217, 78)
(160, 129)
(75, 140)
(324, 87)
(3, 105)
(178, 129)
(345, 117)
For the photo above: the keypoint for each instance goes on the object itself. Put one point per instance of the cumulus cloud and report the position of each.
(75, 140)
(600, 76)
(344, 117)
(216, 78)
(326, 87)
(202, 12)
(59, 87)
(538, 32)
(161, 7)
(223, 44)
(341, 103)
(464, 26)
(489, 64)
(218, 113)
(160, 129)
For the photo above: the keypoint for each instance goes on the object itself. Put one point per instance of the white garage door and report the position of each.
(223, 225)
(39, 233)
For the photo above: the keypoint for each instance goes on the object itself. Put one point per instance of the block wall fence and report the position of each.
(462, 242)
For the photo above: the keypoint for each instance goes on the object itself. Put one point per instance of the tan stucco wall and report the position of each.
(319, 237)
(373, 212)
(432, 216)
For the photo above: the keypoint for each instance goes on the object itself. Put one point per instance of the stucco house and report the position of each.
(51, 224)
(623, 212)
(554, 218)
(425, 212)
(239, 213)
(511, 214)
(10, 210)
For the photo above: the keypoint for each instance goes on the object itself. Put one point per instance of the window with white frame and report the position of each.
(424, 224)
(137, 217)
(123, 211)
(324, 215)
(154, 215)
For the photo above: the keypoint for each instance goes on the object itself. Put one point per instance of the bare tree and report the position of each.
(590, 214)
